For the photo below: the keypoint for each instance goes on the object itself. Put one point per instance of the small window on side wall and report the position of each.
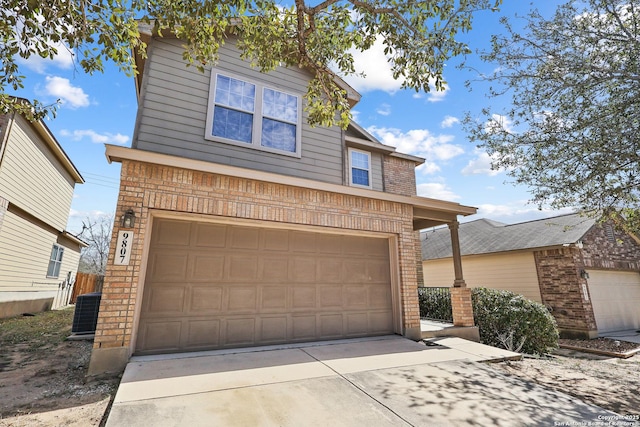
(55, 261)
(359, 168)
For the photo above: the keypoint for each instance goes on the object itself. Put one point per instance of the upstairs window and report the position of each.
(253, 115)
(55, 261)
(359, 168)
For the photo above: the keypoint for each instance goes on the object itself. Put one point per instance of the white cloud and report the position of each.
(449, 121)
(436, 190)
(384, 110)
(374, 64)
(71, 96)
(95, 137)
(517, 211)
(480, 165)
(437, 95)
(63, 59)
(498, 123)
(420, 142)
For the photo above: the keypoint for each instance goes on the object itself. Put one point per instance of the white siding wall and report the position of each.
(33, 179)
(514, 272)
(25, 250)
(173, 111)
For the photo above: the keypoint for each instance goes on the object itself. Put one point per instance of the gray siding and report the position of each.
(33, 179)
(173, 112)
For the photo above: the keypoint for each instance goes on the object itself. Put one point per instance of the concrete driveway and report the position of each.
(386, 381)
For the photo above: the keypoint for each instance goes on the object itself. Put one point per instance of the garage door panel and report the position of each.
(244, 238)
(210, 235)
(240, 331)
(273, 329)
(329, 270)
(378, 271)
(206, 299)
(378, 296)
(273, 298)
(303, 242)
(169, 266)
(303, 297)
(357, 323)
(380, 321)
(275, 240)
(274, 269)
(207, 268)
(303, 327)
(329, 244)
(203, 333)
(166, 299)
(241, 299)
(354, 272)
(330, 296)
(332, 325)
(355, 297)
(161, 335)
(262, 286)
(303, 270)
(242, 268)
(171, 233)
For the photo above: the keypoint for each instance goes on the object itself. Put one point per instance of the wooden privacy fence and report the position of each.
(86, 284)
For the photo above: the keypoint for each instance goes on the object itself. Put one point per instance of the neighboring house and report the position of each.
(587, 273)
(37, 180)
(251, 227)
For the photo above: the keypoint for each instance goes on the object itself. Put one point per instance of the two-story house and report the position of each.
(37, 180)
(251, 227)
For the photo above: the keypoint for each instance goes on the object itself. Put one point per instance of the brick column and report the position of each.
(462, 307)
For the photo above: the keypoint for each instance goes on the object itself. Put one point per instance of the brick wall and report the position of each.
(399, 176)
(561, 289)
(600, 252)
(147, 186)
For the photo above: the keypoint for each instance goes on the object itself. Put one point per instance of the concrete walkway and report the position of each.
(631, 335)
(385, 381)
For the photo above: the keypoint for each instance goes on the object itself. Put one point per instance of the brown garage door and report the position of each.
(211, 286)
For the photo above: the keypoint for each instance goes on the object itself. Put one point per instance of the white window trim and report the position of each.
(353, 150)
(61, 252)
(257, 113)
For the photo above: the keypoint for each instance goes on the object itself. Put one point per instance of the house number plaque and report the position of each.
(123, 248)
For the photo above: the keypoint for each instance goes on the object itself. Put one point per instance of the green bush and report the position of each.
(435, 303)
(511, 321)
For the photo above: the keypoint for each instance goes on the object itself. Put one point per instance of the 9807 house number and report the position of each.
(123, 248)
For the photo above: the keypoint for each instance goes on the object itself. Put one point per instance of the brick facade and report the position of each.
(600, 252)
(399, 176)
(561, 289)
(145, 187)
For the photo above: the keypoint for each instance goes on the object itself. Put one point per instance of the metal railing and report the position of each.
(435, 304)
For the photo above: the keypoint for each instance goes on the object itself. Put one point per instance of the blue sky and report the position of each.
(101, 109)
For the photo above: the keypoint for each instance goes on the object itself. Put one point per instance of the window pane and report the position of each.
(359, 160)
(232, 124)
(279, 105)
(235, 93)
(281, 136)
(360, 177)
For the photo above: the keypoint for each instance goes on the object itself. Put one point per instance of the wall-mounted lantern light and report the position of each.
(584, 274)
(128, 219)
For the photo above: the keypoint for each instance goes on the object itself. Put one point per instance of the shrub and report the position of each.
(435, 303)
(511, 321)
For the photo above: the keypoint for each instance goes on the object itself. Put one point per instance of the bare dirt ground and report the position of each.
(42, 376)
(42, 373)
